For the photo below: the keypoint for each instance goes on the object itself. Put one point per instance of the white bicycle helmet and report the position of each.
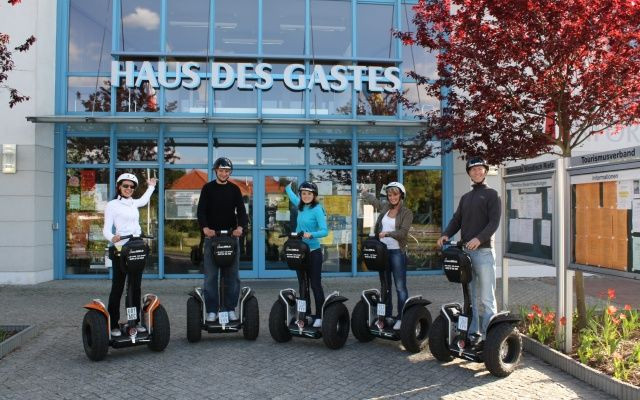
(397, 185)
(127, 177)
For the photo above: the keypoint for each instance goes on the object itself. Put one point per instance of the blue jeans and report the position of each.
(397, 267)
(229, 275)
(483, 288)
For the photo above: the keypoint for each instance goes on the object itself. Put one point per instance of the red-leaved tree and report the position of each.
(7, 64)
(521, 78)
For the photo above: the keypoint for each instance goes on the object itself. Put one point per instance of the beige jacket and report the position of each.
(404, 219)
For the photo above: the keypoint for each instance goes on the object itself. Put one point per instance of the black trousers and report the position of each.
(117, 287)
(315, 276)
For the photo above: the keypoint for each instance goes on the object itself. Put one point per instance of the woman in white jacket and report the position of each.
(122, 214)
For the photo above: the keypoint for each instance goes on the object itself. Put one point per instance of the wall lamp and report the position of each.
(9, 159)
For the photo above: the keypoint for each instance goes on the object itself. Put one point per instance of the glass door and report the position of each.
(277, 216)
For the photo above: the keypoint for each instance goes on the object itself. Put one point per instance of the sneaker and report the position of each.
(141, 329)
(211, 317)
(317, 323)
(396, 326)
(233, 316)
(115, 332)
(475, 339)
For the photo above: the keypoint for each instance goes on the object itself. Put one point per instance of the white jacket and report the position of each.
(123, 214)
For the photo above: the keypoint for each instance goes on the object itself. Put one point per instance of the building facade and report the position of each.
(287, 89)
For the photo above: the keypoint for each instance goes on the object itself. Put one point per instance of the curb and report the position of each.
(25, 333)
(593, 377)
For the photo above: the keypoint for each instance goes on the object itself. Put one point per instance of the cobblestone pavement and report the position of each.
(54, 366)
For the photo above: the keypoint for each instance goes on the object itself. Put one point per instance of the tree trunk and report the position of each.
(581, 302)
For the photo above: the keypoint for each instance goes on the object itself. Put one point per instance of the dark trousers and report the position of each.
(117, 287)
(315, 276)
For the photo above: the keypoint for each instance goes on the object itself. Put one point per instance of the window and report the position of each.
(375, 24)
(89, 35)
(283, 27)
(331, 28)
(140, 25)
(236, 26)
(187, 26)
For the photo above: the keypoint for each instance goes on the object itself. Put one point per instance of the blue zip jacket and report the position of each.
(310, 220)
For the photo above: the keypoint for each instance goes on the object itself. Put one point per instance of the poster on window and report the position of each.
(181, 204)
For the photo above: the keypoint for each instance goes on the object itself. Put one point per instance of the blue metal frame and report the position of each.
(114, 132)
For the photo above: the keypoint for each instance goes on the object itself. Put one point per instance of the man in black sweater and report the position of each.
(478, 217)
(221, 208)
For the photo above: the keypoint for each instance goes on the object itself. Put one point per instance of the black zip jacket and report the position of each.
(221, 207)
(478, 215)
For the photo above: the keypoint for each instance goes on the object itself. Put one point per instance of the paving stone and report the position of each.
(54, 366)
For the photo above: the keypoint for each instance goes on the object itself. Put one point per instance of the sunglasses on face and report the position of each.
(125, 186)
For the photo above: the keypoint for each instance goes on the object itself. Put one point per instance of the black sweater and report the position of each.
(478, 215)
(221, 207)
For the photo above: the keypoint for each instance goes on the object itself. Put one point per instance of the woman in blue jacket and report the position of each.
(312, 220)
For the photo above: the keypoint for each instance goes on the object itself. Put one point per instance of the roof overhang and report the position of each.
(85, 119)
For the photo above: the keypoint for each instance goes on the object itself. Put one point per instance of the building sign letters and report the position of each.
(248, 76)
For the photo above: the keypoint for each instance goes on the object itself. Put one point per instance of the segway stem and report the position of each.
(467, 299)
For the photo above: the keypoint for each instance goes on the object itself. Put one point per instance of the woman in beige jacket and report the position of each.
(392, 228)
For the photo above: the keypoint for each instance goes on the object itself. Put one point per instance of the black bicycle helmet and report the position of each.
(475, 161)
(309, 187)
(224, 163)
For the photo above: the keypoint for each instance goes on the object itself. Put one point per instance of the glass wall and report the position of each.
(183, 44)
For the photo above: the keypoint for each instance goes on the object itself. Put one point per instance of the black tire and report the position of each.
(251, 323)
(439, 339)
(335, 325)
(278, 322)
(360, 322)
(414, 330)
(161, 332)
(502, 349)
(194, 320)
(95, 335)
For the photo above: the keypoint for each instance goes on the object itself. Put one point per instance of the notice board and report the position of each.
(529, 218)
(605, 219)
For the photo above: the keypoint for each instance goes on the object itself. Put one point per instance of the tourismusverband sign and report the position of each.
(248, 76)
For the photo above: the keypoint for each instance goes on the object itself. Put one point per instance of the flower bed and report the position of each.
(14, 336)
(610, 343)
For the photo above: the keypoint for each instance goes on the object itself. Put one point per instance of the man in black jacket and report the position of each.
(221, 208)
(478, 217)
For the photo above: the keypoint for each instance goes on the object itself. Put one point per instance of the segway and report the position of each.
(96, 331)
(368, 317)
(289, 316)
(224, 253)
(449, 336)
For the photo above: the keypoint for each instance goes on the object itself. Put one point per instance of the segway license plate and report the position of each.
(463, 323)
(132, 313)
(223, 317)
(382, 309)
(302, 305)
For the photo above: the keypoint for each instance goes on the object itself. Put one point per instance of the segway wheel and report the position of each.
(161, 332)
(251, 324)
(335, 325)
(278, 322)
(95, 336)
(194, 320)
(438, 340)
(360, 322)
(502, 349)
(414, 330)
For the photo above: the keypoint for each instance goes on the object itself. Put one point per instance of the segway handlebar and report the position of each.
(141, 236)
(292, 235)
(454, 243)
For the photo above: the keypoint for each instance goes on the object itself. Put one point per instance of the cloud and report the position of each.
(142, 18)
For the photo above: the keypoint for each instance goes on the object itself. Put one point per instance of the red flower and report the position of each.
(622, 316)
(563, 321)
(611, 310)
(611, 293)
(615, 320)
(530, 316)
(627, 307)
